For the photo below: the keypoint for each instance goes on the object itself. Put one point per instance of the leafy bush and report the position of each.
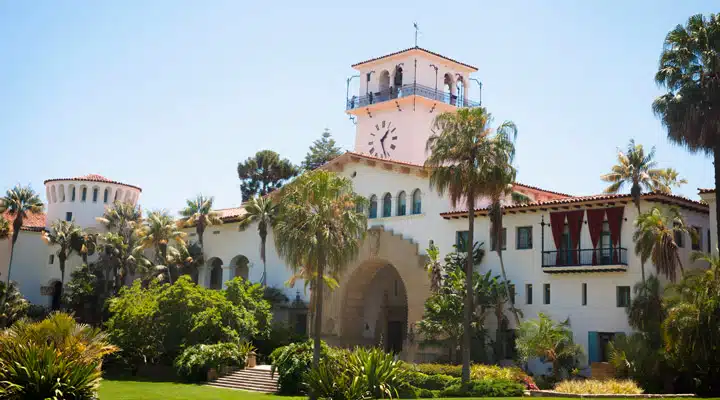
(281, 334)
(550, 342)
(52, 359)
(15, 306)
(37, 312)
(292, 362)
(594, 386)
(362, 374)
(83, 294)
(163, 320)
(195, 362)
(438, 369)
(430, 382)
(485, 388)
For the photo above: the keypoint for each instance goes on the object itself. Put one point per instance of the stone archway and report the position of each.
(386, 262)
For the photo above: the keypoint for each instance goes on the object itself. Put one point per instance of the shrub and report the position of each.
(195, 362)
(431, 382)
(438, 369)
(52, 359)
(292, 362)
(383, 375)
(485, 388)
(594, 386)
(281, 334)
(328, 382)
(14, 307)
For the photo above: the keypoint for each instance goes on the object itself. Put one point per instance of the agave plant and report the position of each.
(381, 373)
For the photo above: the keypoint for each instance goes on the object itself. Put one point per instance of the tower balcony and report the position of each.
(412, 89)
(585, 260)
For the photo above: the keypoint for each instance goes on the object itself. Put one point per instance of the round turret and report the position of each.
(85, 198)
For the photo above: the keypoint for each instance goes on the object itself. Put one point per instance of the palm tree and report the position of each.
(654, 239)
(690, 72)
(63, 235)
(637, 170)
(5, 228)
(319, 229)
(646, 311)
(670, 178)
(263, 211)
(433, 267)
(121, 255)
(550, 341)
(466, 160)
(85, 244)
(199, 213)
(158, 231)
(17, 203)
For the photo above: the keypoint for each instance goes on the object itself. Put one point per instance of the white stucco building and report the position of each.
(567, 256)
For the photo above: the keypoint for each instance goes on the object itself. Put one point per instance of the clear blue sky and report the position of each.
(170, 95)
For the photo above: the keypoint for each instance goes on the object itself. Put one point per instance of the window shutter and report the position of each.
(593, 347)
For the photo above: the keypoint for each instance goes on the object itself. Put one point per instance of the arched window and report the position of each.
(417, 202)
(61, 190)
(242, 266)
(460, 91)
(387, 205)
(398, 78)
(72, 193)
(449, 88)
(402, 199)
(384, 83)
(95, 195)
(373, 207)
(83, 194)
(118, 195)
(216, 274)
(106, 195)
(54, 194)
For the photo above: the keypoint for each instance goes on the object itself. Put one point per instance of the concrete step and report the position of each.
(252, 379)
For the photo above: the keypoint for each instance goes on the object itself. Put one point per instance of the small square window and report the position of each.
(524, 237)
(623, 296)
(52, 259)
(584, 294)
(546, 293)
(68, 216)
(503, 240)
(528, 293)
(461, 240)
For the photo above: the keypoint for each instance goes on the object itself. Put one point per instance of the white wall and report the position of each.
(84, 212)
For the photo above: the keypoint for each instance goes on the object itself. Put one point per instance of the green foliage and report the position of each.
(329, 383)
(550, 341)
(321, 151)
(596, 386)
(485, 388)
(438, 369)
(281, 334)
(292, 362)
(263, 173)
(483, 371)
(52, 359)
(431, 382)
(654, 239)
(634, 357)
(252, 298)
(162, 320)
(83, 294)
(195, 361)
(36, 312)
(13, 305)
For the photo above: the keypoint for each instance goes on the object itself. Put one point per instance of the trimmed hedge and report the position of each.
(431, 382)
(485, 388)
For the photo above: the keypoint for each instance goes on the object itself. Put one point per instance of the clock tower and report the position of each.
(400, 94)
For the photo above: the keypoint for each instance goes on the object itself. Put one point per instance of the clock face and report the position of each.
(383, 140)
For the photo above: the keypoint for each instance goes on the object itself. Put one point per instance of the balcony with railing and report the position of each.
(412, 89)
(585, 260)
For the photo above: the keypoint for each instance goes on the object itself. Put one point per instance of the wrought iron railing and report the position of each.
(585, 257)
(409, 90)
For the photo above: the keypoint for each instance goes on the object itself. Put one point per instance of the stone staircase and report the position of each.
(256, 379)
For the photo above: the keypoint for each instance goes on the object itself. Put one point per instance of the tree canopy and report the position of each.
(263, 173)
(321, 151)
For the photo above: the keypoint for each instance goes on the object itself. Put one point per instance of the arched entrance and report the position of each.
(215, 266)
(376, 308)
(381, 294)
(241, 265)
(57, 296)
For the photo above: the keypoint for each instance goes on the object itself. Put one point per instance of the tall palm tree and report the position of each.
(120, 255)
(18, 202)
(157, 233)
(690, 72)
(669, 179)
(637, 170)
(85, 244)
(199, 213)
(319, 229)
(263, 211)
(63, 235)
(654, 239)
(465, 158)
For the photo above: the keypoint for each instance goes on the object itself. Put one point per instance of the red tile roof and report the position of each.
(33, 222)
(703, 191)
(231, 214)
(660, 197)
(414, 48)
(93, 178)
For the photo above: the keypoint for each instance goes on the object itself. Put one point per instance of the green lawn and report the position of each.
(134, 390)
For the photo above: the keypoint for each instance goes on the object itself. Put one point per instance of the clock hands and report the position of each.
(382, 142)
